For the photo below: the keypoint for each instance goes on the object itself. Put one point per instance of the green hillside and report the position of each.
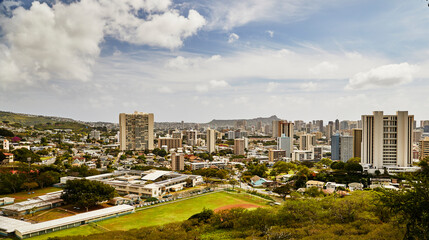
(30, 120)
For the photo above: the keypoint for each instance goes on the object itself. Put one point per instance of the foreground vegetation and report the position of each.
(160, 215)
(353, 217)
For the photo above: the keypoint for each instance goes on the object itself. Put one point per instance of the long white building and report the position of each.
(387, 140)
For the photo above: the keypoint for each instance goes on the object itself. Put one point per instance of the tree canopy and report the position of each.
(85, 194)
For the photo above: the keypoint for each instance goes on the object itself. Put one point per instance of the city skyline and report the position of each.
(196, 60)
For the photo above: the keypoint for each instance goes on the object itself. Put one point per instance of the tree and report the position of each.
(338, 165)
(283, 190)
(48, 178)
(29, 185)
(23, 154)
(326, 161)
(411, 205)
(233, 182)
(86, 193)
(6, 133)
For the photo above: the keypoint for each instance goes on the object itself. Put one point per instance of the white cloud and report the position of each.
(270, 33)
(165, 89)
(226, 14)
(309, 86)
(324, 67)
(271, 86)
(202, 88)
(218, 83)
(63, 41)
(383, 76)
(233, 37)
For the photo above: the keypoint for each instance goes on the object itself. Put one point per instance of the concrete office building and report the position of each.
(136, 131)
(346, 148)
(307, 141)
(284, 127)
(239, 146)
(284, 143)
(169, 142)
(191, 137)
(94, 134)
(177, 161)
(341, 147)
(335, 147)
(211, 140)
(418, 133)
(276, 155)
(357, 142)
(424, 148)
(387, 140)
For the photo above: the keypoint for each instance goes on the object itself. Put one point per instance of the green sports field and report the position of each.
(176, 211)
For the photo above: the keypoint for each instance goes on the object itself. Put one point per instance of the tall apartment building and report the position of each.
(136, 131)
(337, 125)
(417, 135)
(341, 147)
(276, 155)
(319, 124)
(284, 143)
(284, 127)
(94, 134)
(191, 137)
(307, 141)
(387, 140)
(346, 148)
(169, 142)
(239, 146)
(357, 142)
(211, 140)
(424, 148)
(177, 161)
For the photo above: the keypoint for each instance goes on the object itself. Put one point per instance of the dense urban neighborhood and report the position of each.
(61, 175)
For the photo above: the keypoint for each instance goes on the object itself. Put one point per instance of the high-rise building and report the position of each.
(319, 124)
(169, 142)
(424, 123)
(337, 125)
(177, 161)
(418, 133)
(284, 143)
(239, 146)
(191, 137)
(357, 142)
(136, 131)
(424, 148)
(211, 140)
(387, 140)
(177, 134)
(259, 126)
(335, 146)
(341, 147)
(283, 127)
(276, 155)
(306, 141)
(94, 134)
(346, 148)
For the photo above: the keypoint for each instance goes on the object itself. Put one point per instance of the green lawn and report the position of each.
(22, 196)
(173, 212)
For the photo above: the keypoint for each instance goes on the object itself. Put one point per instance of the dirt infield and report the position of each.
(244, 205)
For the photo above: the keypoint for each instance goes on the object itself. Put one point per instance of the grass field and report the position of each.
(22, 196)
(174, 212)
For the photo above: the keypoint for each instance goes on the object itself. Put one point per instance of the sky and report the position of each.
(200, 60)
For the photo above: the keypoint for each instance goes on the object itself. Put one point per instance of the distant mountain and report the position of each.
(250, 122)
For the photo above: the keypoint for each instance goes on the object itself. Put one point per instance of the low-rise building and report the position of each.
(313, 183)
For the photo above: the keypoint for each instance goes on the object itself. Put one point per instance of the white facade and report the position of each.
(6, 145)
(387, 140)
